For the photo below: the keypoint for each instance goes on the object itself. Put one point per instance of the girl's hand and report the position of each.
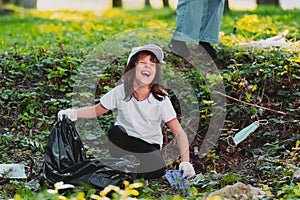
(188, 169)
(71, 113)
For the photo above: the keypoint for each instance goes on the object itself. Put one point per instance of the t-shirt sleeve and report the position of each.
(168, 111)
(109, 100)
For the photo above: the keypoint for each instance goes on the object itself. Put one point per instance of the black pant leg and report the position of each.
(151, 161)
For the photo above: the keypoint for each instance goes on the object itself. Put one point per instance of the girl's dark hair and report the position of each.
(157, 88)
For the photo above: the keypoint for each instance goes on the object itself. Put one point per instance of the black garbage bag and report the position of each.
(65, 160)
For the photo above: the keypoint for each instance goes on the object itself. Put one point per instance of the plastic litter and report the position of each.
(277, 40)
(245, 132)
(12, 171)
(65, 160)
(177, 181)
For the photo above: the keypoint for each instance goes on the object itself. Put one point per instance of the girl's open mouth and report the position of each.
(146, 73)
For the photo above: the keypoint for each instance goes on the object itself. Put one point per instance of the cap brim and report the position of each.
(156, 50)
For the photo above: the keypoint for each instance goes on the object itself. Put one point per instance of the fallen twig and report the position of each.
(255, 105)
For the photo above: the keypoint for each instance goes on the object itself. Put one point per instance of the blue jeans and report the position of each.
(198, 20)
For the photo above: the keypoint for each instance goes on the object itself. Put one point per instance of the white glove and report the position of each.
(71, 113)
(187, 168)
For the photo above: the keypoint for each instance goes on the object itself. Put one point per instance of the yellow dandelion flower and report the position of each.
(210, 155)
(115, 188)
(155, 24)
(133, 192)
(80, 196)
(296, 191)
(265, 187)
(111, 13)
(17, 197)
(126, 183)
(268, 192)
(70, 29)
(104, 192)
(62, 198)
(109, 188)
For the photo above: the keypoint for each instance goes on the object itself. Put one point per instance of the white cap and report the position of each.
(156, 50)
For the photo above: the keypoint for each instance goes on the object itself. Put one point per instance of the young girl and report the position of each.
(142, 105)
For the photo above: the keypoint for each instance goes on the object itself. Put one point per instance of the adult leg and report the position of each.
(211, 21)
(197, 21)
(189, 20)
(211, 24)
(189, 14)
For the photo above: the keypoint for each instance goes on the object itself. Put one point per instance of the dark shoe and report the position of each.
(209, 49)
(179, 48)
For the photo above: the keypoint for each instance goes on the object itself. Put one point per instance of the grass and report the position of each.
(42, 53)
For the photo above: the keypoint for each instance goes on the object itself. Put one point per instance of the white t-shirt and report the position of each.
(141, 119)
